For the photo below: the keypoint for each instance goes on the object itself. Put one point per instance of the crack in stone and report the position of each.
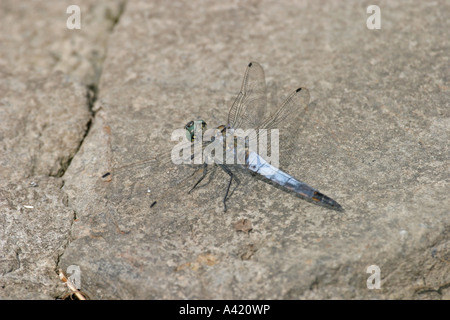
(92, 94)
(18, 251)
(92, 89)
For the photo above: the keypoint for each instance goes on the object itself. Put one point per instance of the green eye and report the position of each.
(191, 128)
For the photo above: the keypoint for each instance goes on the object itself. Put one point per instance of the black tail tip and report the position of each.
(327, 201)
(338, 207)
(333, 204)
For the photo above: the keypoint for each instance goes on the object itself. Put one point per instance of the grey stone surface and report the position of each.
(48, 79)
(375, 139)
(35, 227)
(43, 121)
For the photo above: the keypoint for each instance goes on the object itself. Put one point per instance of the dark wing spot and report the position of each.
(299, 89)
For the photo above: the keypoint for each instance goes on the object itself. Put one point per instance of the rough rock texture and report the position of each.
(43, 120)
(48, 80)
(35, 224)
(376, 140)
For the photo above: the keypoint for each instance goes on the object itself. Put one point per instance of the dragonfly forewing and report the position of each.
(250, 106)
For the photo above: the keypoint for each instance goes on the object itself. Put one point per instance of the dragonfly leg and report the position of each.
(205, 171)
(232, 176)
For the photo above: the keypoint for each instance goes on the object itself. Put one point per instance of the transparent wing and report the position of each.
(249, 107)
(154, 179)
(288, 119)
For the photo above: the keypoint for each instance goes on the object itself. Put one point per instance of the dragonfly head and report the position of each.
(191, 126)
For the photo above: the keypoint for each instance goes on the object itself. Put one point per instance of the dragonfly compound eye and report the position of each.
(193, 128)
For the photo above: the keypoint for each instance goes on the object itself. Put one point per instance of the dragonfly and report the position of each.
(248, 112)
